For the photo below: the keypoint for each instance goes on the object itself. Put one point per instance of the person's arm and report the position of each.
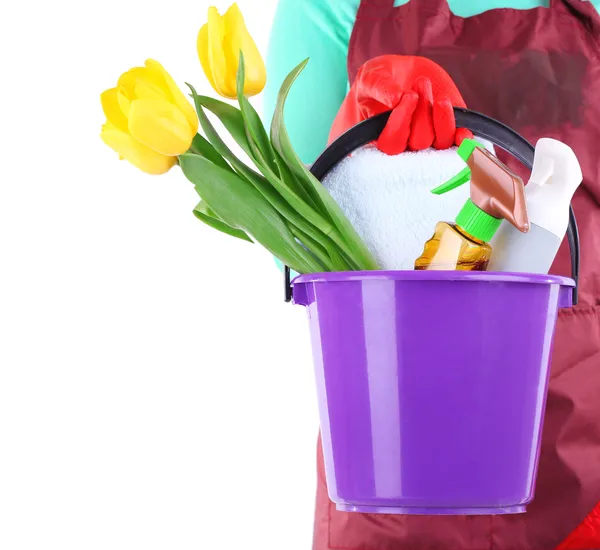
(319, 30)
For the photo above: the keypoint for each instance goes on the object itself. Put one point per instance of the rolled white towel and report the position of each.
(388, 199)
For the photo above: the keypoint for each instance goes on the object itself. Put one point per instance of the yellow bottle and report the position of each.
(452, 249)
(496, 194)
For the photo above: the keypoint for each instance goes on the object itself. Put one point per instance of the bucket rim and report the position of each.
(451, 276)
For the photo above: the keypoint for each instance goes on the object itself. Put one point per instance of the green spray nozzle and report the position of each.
(464, 152)
(496, 193)
(471, 218)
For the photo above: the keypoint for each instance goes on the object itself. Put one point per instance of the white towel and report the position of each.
(388, 199)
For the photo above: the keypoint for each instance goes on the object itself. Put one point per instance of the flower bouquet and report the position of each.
(277, 202)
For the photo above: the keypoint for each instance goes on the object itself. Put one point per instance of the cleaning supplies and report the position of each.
(554, 179)
(496, 194)
(388, 199)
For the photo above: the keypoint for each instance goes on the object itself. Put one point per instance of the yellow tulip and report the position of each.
(219, 44)
(149, 120)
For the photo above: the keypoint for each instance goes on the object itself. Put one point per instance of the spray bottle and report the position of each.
(554, 179)
(496, 194)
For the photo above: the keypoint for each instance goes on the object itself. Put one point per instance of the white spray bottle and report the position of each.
(554, 179)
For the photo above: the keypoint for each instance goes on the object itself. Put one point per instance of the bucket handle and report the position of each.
(481, 125)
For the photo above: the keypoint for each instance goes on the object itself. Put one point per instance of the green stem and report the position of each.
(311, 263)
(313, 247)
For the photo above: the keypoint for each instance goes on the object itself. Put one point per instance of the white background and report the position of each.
(155, 390)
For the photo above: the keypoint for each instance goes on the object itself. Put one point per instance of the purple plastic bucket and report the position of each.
(431, 386)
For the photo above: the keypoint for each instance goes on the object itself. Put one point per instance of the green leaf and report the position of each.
(263, 149)
(241, 206)
(201, 146)
(276, 124)
(351, 243)
(340, 261)
(280, 176)
(205, 214)
(329, 255)
(313, 247)
(290, 179)
(219, 145)
(230, 117)
(284, 200)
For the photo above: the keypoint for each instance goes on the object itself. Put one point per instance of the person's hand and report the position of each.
(418, 121)
(421, 96)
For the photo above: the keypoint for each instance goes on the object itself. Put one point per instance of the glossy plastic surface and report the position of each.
(431, 386)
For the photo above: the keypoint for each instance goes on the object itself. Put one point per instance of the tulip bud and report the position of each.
(219, 43)
(149, 120)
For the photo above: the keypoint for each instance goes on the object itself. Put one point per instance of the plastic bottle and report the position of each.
(496, 194)
(554, 179)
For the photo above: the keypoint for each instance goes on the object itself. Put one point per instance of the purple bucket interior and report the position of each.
(431, 386)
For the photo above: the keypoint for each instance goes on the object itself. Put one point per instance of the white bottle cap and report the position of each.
(554, 179)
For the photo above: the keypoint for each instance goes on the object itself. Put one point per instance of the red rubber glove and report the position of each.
(420, 95)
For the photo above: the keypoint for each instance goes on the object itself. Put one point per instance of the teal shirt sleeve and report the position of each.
(468, 8)
(321, 30)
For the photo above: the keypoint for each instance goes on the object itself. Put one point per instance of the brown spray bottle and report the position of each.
(496, 194)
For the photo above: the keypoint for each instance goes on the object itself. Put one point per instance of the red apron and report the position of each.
(538, 71)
